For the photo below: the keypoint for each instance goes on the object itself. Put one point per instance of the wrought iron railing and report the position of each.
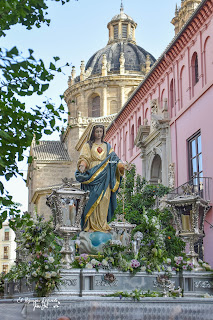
(201, 186)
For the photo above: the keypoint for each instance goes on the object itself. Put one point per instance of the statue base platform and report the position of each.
(82, 296)
(110, 308)
(87, 282)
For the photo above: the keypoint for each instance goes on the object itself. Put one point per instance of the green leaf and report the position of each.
(8, 176)
(30, 159)
(47, 131)
(52, 66)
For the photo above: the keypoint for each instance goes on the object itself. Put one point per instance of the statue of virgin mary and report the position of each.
(99, 171)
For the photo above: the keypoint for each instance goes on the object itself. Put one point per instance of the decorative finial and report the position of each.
(122, 7)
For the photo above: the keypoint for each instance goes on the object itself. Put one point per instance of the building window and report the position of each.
(195, 76)
(95, 107)
(195, 161)
(131, 32)
(124, 30)
(6, 235)
(139, 122)
(132, 139)
(116, 32)
(172, 94)
(5, 268)
(6, 253)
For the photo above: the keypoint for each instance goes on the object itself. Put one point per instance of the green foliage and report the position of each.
(137, 194)
(2, 277)
(159, 235)
(35, 237)
(22, 77)
(28, 13)
(135, 294)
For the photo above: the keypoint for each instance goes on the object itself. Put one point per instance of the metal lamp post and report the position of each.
(189, 211)
(67, 203)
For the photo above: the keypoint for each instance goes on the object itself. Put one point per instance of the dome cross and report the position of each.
(122, 6)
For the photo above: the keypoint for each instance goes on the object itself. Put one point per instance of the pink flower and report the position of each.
(184, 267)
(135, 263)
(180, 258)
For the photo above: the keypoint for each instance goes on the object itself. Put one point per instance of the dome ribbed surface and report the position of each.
(134, 55)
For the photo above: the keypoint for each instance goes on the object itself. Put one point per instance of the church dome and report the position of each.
(121, 16)
(121, 43)
(135, 57)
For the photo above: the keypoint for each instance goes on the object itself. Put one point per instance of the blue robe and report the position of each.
(96, 180)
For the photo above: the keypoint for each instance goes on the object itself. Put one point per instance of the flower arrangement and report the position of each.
(43, 254)
(205, 265)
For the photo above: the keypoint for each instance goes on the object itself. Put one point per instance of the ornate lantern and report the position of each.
(67, 203)
(189, 211)
(122, 229)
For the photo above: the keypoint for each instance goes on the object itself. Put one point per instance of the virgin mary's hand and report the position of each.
(82, 167)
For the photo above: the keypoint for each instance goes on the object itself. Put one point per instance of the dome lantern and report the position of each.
(122, 28)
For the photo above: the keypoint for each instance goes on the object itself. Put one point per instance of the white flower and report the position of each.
(46, 267)
(143, 268)
(94, 262)
(176, 259)
(168, 260)
(47, 275)
(204, 265)
(146, 218)
(89, 266)
(154, 220)
(34, 274)
(188, 262)
(77, 242)
(169, 269)
(54, 274)
(157, 226)
(27, 245)
(105, 262)
(51, 259)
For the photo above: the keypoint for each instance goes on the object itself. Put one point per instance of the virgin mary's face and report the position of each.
(98, 133)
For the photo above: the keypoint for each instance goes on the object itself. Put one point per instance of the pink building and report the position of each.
(165, 127)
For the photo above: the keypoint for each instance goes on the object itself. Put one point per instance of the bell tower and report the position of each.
(183, 13)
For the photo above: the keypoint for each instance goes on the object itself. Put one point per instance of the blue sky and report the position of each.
(77, 30)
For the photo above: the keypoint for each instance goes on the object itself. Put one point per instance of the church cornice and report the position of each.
(199, 18)
(98, 81)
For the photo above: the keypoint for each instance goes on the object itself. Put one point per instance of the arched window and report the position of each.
(162, 97)
(194, 63)
(156, 170)
(132, 139)
(94, 106)
(171, 98)
(146, 114)
(115, 148)
(208, 51)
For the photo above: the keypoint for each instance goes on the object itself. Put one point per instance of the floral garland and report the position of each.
(42, 252)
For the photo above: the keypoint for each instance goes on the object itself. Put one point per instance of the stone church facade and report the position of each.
(105, 83)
